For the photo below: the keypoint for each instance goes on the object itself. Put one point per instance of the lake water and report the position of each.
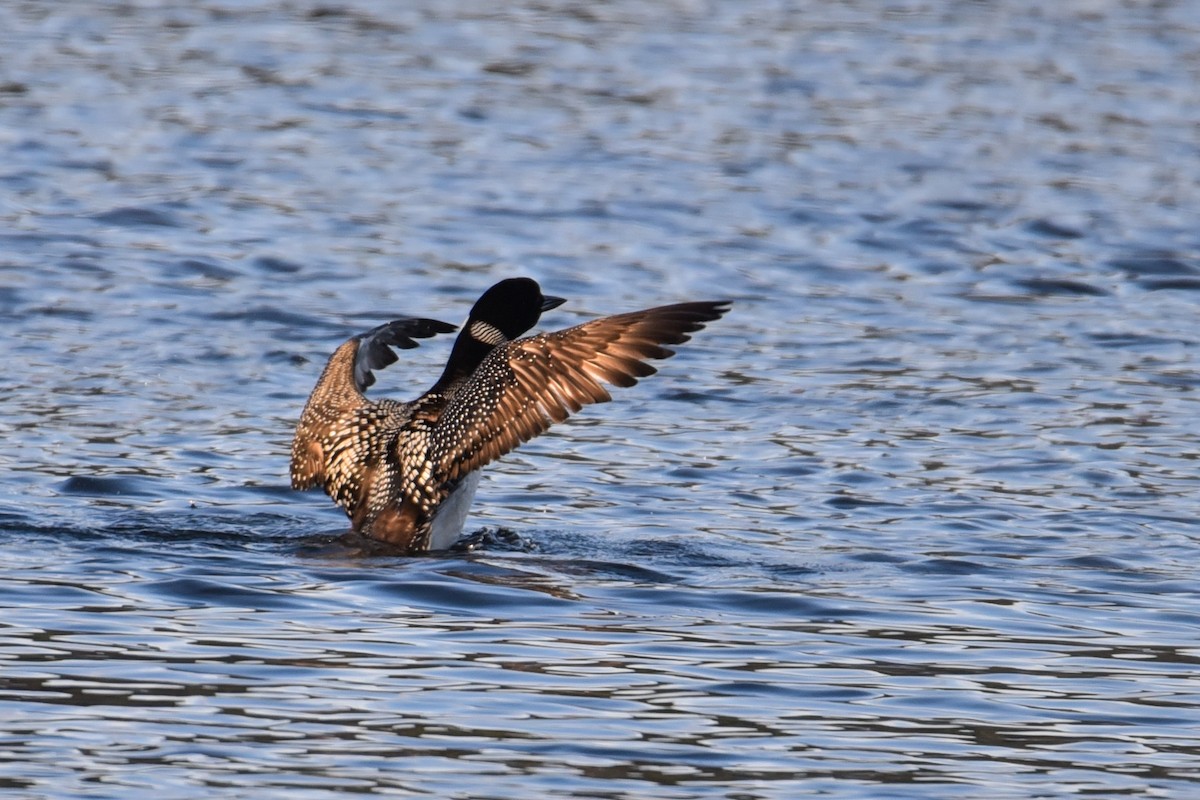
(918, 519)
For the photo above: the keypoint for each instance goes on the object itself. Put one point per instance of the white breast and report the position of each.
(448, 523)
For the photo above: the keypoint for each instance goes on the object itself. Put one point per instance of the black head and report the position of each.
(502, 314)
(511, 307)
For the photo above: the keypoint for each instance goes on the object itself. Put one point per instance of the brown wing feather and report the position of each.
(334, 399)
(341, 435)
(525, 386)
(342, 438)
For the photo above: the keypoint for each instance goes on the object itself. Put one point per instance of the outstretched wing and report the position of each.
(338, 438)
(525, 386)
(375, 346)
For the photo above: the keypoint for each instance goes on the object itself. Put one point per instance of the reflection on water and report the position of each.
(917, 520)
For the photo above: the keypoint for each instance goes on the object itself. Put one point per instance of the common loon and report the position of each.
(405, 473)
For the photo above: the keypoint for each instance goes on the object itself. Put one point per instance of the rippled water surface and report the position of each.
(917, 519)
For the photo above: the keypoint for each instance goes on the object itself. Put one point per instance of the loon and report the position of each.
(405, 473)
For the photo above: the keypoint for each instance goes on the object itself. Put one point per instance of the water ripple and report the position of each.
(917, 519)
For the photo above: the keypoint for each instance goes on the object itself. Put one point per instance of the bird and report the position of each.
(406, 473)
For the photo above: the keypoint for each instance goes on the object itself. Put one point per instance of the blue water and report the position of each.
(918, 519)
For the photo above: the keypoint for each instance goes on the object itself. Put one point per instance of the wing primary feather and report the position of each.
(375, 346)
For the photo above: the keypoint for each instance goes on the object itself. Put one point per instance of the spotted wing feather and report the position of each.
(342, 436)
(527, 385)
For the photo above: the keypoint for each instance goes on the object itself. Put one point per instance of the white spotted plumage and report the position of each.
(405, 473)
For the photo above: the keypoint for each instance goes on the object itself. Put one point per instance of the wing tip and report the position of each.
(375, 346)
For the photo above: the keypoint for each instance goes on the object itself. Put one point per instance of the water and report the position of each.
(917, 519)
